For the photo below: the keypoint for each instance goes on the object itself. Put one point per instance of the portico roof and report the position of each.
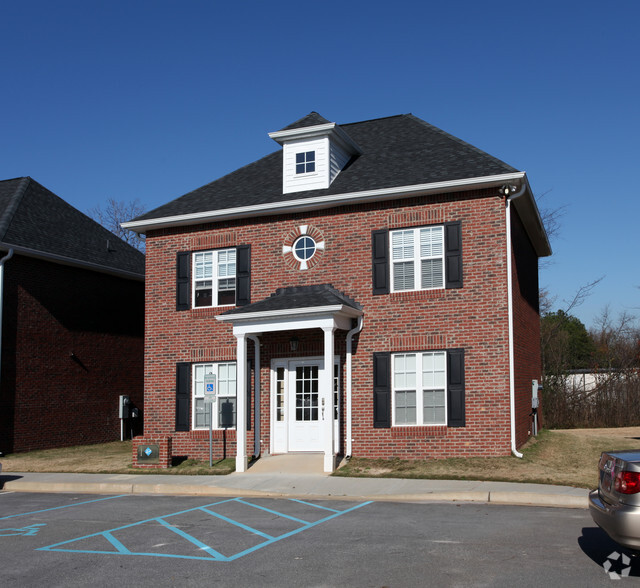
(295, 307)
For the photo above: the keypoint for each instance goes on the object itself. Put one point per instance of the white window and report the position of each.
(419, 388)
(305, 162)
(214, 278)
(417, 258)
(224, 408)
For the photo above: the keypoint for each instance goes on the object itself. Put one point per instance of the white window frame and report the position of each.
(434, 380)
(226, 387)
(305, 163)
(416, 254)
(215, 271)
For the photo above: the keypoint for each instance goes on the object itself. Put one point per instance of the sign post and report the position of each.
(210, 399)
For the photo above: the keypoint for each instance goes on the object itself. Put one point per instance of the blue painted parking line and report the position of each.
(119, 548)
(22, 514)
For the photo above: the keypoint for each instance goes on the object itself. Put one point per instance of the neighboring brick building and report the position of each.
(399, 255)
(72, 299)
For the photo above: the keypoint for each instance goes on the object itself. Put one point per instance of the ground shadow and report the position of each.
(598, 546)
(5, 479)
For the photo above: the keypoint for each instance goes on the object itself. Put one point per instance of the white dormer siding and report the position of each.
(338, 158)
(326, 145)
(315, 180)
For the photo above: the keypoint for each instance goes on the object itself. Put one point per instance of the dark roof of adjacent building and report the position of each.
(298, 297)
(397, 151)
(34, 221)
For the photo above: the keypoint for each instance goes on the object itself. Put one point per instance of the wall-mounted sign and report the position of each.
(148, 453)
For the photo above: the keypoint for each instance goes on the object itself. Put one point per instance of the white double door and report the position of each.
(297, 409)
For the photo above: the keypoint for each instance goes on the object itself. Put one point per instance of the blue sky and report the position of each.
(150, 99)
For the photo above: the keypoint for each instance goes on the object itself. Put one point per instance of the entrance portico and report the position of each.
(296, 309)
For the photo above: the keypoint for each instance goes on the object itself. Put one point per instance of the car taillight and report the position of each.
(627, 482)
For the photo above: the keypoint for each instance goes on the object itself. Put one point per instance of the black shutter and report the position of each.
(183, 279)
(455, 388)
(183, 393)
(453, 254)
(381, 390)
(380, 261)
(243, 275)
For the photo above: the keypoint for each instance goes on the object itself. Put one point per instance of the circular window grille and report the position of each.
(304, 248)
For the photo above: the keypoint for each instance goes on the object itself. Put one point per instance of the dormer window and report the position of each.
(305, 162)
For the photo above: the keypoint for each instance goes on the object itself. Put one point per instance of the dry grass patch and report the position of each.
(565, 457)
(105, 458)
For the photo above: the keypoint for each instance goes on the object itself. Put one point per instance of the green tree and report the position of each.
(566, 343)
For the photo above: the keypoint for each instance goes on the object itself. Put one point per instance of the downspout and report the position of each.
(7, 257)
(512, 378)
(256, 397)
(350, 335)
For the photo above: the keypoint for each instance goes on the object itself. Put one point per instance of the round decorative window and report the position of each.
(304, 248)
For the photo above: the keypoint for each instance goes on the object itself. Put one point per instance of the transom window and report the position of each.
(304, 248)
(224, 408)
(214, 278)
(418, 258)
(419, 388)
(305, 162)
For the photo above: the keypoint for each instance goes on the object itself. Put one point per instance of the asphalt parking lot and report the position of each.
(80, 540)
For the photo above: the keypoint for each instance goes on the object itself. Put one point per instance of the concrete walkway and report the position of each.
(299, 476)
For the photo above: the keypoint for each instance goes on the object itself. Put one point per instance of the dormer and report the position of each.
(315, 151)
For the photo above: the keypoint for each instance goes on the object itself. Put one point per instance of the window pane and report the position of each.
(226, 412)
(203, 263)
(431, 242)
(402, 244)
(311, 156)
(403, 276)
(299, 157)
(311, 167)
(432, 273)
(433, 407)
(406, 407)
(202, 413)
(404, 371)
(300, 168)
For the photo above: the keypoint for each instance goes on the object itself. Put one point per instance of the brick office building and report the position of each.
(72, 299)
(376, 281)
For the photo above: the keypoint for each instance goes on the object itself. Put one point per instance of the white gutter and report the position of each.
(256, 397)
(512, 377)
(6, 258)
(320, 202)
(350, 335)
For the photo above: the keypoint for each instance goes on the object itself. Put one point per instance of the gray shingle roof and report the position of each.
(298, 297)
(34, 219)
(397, 151)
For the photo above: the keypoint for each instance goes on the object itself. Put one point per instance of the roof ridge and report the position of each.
(458, 140)
(359, 122)
(7, 215)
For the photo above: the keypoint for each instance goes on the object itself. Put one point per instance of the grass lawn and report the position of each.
(567, 457)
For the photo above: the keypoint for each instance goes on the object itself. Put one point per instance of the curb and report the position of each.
(502, 498)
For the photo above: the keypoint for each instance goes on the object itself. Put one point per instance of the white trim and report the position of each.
(310, 311)
(319, 202)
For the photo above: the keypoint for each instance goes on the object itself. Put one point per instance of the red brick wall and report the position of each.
(473, 318)
(49, 397)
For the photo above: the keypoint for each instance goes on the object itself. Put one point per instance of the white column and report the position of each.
(241, 403)
(327, 400)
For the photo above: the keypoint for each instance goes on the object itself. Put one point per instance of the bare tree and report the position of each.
(117, 212)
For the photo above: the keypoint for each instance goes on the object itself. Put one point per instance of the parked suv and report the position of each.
(615, 505)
